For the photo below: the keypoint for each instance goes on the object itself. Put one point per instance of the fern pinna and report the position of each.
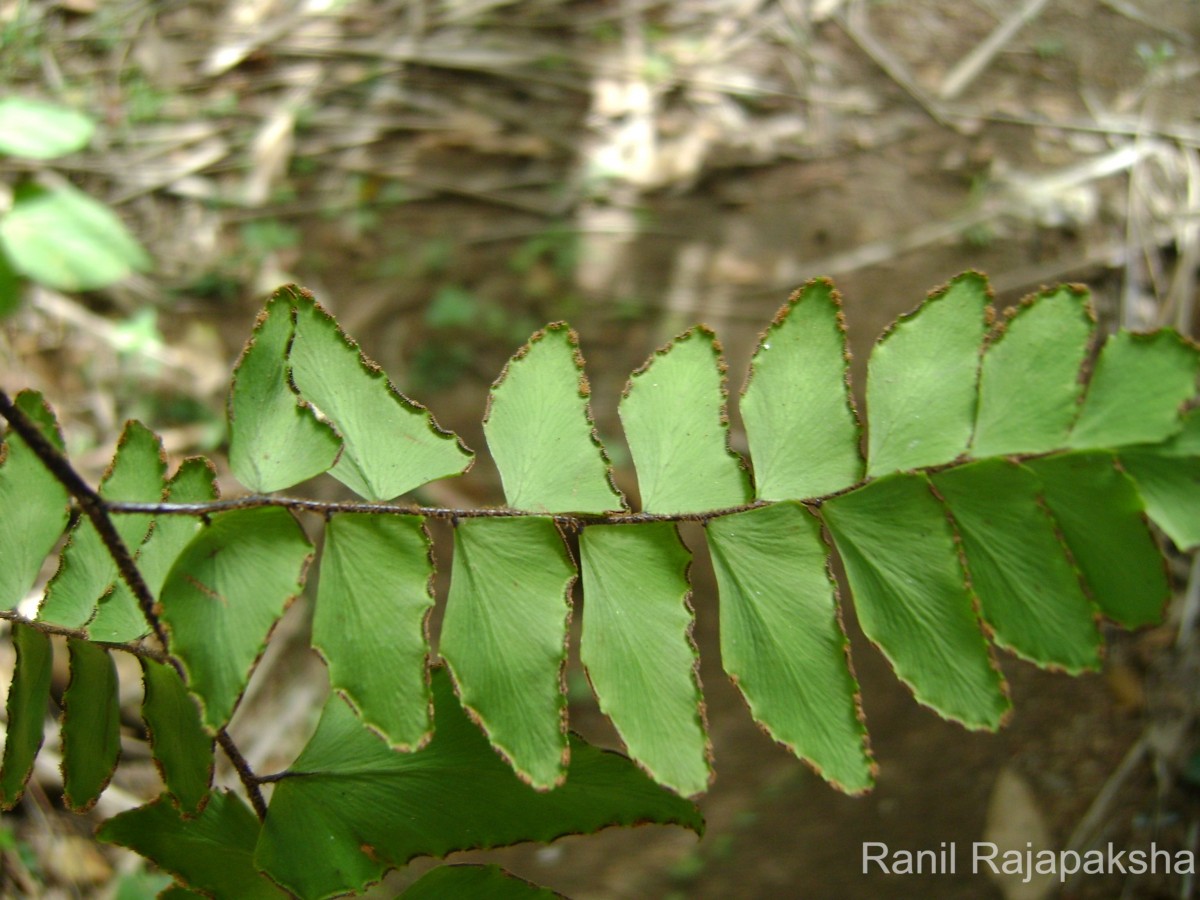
(1010, 474)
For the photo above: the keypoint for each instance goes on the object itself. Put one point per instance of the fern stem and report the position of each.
(327, 508)
(249, 780)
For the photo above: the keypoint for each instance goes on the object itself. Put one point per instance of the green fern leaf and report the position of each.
(912, 598)
(91, 725)
(1140, 383)
(275, 441)
(86, 571)
(182, 751)
(539, 430)
(373, 603)
(390, 444)
(119, 618)
(33, 501)
(637, 647)
(673, 411)
(212, 852)
(1102, 520)
(504, 638)
(800, 421)
(921, 380)
(1029, 384)
(349, 808)
(782, 640)
(224, 594)
(1168, 478)
(25, 711)
(1029, 593)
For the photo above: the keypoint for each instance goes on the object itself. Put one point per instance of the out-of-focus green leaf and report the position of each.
(390, 443)
(1029, 384)
(912, 599)
(212, 853)
(349, 808)
(91, 728)
(87, 570)
(637, 646)
(224, 594)
(119, 616)
(452, 307)
(673, 412)
(539, 429)
(504, 638)
(1028, 590)
(64, 239)
(1139, 385)
(10, 285)
(491, 882)
(33, 504)
(921, 380)
(28, 700)
(373, 603)
(36, 129)
(782, 640)
(1101, 519)
(800, 421)
(275, 440)
(182, 751)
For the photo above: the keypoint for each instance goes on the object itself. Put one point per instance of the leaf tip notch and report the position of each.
(922, 379)
(1141, 384)
(1033, 374)
(802, 426)
(371, 414)
(675, 416)
(540, 431)
(276, 440)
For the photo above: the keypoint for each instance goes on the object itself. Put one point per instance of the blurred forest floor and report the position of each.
(449, 175)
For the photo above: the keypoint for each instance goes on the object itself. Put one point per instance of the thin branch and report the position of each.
(275, 776)
(332, 507)
(250, 781)
(851, 22)
(978, 59)
(452, 514)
